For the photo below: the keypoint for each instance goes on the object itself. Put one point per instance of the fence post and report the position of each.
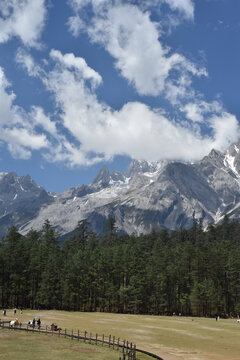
(96, 338)
(123, 346)
(131, 349)
(85, 336)
(118, 344)
(72, 333)
(109, 341)
(134, 352)
(59, 332)
(65, 332)
(102, 339)
(90, 338)
(78, 335)
(113, 342)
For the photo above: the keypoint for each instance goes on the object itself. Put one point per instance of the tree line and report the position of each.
(192, 272)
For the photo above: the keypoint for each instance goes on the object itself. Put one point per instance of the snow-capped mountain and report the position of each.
(148, 196)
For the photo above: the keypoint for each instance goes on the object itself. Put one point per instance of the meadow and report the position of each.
(172, 338)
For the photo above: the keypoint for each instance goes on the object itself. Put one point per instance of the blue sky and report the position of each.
(85, 83)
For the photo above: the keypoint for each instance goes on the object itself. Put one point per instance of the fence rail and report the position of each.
(127, 349)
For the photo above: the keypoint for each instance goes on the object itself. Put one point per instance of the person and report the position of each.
(14, 311)
(21, 311)
(33, 323)
(39, 323)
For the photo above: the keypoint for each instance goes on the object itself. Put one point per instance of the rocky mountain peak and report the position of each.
(140, 166)
(215, 154)
(117, 176)
(102, 179)
(149, 195)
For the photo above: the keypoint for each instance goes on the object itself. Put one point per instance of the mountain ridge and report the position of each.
(148, 196)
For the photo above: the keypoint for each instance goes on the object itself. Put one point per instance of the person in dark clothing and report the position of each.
(33, 323)
(39, 323)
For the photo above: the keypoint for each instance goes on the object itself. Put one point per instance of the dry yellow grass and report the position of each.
(172, 338)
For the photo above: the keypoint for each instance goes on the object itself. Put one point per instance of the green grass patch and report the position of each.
(172, 338)
(16, 345)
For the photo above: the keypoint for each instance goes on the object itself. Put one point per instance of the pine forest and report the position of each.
(189, 272)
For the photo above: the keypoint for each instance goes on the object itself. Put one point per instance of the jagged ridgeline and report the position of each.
(148, 196)
(192, 272)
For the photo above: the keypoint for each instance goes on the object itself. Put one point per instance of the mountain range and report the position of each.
(148, 196)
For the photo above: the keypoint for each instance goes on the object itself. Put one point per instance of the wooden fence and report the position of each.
(126, 349)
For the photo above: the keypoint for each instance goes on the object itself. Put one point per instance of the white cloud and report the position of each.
(22, 18)
(136, 130)
(197, 111)
(38, 118)
(15, 126)
(226, 130)
(25, 59)
(19, 152)
(83, 130)
(132, 39)
(79, 64)
(186, 7)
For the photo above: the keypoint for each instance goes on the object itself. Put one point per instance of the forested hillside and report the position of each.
(191, 272)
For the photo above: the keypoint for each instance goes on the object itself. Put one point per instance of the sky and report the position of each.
(84, 83)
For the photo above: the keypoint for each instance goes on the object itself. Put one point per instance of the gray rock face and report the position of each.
(148, 196)
(20, 200)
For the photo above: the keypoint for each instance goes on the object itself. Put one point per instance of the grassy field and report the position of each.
(172, 338)
(16, 345)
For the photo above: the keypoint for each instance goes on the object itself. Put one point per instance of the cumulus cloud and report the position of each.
(15, 126)
(99, 132)
(79, 64)
(83, 130)
(132, 39)
(198, 111)
(22, 18)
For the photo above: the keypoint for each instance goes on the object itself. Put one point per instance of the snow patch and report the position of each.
(229, 162)
(16, 195)
(235, 207)
(236, 149)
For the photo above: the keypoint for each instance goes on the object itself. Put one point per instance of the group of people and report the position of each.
(33, 322)
(14, 311)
